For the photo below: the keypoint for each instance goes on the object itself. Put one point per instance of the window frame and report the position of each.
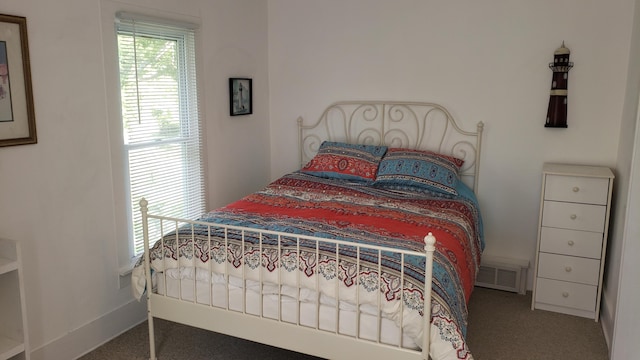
(190, 129)
(122, 211)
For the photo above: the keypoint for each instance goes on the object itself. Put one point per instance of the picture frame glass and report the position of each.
(6, 113)
(241, 96)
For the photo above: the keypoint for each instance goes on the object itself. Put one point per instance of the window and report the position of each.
(160, 120)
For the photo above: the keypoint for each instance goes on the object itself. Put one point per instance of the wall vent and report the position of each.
(503, 274)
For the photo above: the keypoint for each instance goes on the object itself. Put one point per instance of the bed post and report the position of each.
(429, 247)
(147, 272)
(477, 164)
(300, 141)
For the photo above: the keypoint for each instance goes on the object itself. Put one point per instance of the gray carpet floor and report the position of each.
(501, 326)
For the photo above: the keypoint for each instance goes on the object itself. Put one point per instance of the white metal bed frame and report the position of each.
(416, 125)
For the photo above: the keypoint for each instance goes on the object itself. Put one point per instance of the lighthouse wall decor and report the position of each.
(557, 112)
(240, 96)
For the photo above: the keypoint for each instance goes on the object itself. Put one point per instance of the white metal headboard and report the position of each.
(414, 125)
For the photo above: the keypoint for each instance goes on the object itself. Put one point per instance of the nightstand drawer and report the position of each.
(571, 242)
(572, 295)
(574, 216)
(577, 189)
(568, 268)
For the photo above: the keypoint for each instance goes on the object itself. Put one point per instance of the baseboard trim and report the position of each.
(607, 321)
(94, 334)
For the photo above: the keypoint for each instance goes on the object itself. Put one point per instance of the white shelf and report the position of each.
(7, 265)
(10, 348)
(13, 329)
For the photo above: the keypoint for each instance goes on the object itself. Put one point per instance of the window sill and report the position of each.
(128, 268)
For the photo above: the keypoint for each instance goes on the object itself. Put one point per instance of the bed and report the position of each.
(343, 257)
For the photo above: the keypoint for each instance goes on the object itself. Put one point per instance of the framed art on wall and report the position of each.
(17, 117)
(240, 96)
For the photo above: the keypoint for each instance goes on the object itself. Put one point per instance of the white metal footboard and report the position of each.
(274, 330)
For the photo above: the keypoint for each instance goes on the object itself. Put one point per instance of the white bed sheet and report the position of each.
(182, 282)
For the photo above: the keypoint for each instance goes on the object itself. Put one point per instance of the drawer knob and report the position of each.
(574, 216)
(565, 294)
(576, 189)
(568, 269)
(570, 242)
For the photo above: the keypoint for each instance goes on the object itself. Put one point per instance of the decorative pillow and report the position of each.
(346, 161)
(421, 169)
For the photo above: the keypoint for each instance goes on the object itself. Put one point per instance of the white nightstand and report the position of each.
(572, 239)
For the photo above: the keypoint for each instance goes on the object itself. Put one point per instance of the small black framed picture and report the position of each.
(240, 96)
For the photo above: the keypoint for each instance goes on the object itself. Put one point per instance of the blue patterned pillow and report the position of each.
(420, 169)
(339, 160)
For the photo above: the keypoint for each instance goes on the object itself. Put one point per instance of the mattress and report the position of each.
(303, 307)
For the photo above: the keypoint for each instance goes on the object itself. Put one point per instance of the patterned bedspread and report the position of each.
(308, 205)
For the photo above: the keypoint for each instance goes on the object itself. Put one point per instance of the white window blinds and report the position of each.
(160, 119)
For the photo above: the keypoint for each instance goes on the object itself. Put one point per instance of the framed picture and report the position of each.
(240, 96)
(17, 117)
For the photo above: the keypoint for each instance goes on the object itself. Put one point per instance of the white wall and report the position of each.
(621, 293)
(58, 195)
(235, 43)
(625, 325)
(485, 61)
